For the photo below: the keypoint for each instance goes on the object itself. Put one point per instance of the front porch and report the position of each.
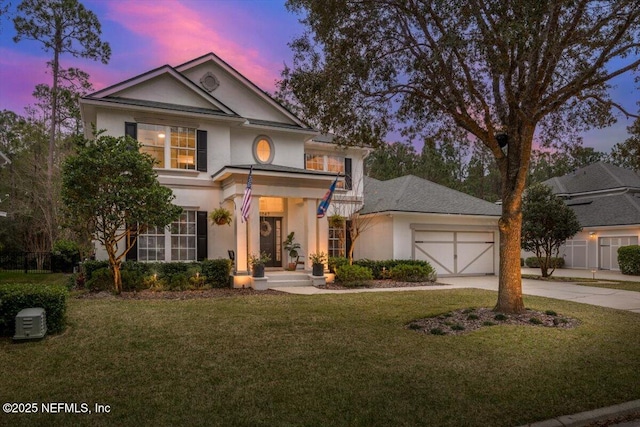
(282, 201)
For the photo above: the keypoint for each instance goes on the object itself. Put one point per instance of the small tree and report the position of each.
(110, 188)
(546, 224)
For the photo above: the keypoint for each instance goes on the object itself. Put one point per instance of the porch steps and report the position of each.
(288, 278)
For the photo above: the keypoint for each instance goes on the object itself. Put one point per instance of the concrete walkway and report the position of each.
(612, 298)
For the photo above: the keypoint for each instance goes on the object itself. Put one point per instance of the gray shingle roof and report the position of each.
(601, 194)
(595, 177)
(412, 194)
(621, 209)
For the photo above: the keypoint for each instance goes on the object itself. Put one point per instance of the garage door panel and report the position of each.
(456, 252)
(475, 258)
(439, 255)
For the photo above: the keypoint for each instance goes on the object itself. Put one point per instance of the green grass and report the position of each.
(288, 360)
(43, 278)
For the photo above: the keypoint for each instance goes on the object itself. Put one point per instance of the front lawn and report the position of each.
(266, 360)
(37, 278)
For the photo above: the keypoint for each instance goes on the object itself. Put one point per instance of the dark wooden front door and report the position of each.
(270, 238)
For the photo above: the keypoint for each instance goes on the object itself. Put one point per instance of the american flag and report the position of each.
(246, 200)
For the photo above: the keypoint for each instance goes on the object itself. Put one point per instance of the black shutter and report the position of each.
(132, 255)
(201, 163)
(348, 184)
(201, 241)
(347, 242)
(131, 129)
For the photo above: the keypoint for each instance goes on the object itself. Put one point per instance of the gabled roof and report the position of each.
(165, 70)
(212, 57)
(412, 194)
(597, 177)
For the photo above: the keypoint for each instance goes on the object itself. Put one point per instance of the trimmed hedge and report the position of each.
(629, 259)
(382, 269)
(336, 261)
(217, 272)
(353, 275)
(413, 273)
(534, 262)
(17, 296)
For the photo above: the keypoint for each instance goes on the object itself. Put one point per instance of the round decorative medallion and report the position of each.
(209, 82)
(265, 228)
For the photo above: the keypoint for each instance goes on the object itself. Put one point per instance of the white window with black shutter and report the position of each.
(183, 240)
(173, 147)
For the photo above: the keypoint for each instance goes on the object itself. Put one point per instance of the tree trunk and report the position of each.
(510, 274)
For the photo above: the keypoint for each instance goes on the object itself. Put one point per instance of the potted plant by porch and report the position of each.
(257, 263)
(317, 262)
(292, 249)
(221, 216)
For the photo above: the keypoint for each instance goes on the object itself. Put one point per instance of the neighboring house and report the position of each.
(206, 125)
(606, 200)
(412, 218)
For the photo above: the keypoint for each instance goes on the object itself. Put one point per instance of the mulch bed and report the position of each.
(382, 284)
(471, 319)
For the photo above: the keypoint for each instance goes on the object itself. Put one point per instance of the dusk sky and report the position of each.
(251, 35)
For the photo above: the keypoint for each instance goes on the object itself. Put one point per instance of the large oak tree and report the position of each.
(500, 69)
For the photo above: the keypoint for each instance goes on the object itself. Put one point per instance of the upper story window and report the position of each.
(172, 146)
(330, 163)
(263, 150)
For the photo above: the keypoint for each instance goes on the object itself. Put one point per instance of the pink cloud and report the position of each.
(19, 75)
(178, 33)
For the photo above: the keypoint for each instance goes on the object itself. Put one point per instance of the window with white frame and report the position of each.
(180, 236)
(337, 241)
(174, 146)
(326, 163)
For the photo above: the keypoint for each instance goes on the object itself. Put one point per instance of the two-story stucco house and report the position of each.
(207, 125)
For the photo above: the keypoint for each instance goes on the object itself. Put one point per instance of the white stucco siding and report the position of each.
(377, 241)
(166, 89)
(236, 95)
(288, 148)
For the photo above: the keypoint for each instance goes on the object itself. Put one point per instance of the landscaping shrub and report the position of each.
(413, 273)
(335, 262)
(534, 262)
(381, 269)
(88, 267)
(353, 275)
(177, 282)
(629, 259)
(166, 270)
(17, 296)
(101, 280)
(216, 272)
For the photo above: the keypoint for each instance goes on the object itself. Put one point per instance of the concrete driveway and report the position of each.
(612, 298)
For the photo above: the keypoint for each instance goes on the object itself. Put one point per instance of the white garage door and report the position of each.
(456, 252)
(608, 250)
(575, 253)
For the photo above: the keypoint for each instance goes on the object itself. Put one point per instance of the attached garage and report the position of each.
(608, 250)
(575, 253)
(456, 252)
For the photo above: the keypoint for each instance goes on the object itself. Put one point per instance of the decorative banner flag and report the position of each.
(326, 200)
(246, 200)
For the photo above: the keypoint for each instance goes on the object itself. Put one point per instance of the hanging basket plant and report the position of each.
(336, 221)
(221, 216)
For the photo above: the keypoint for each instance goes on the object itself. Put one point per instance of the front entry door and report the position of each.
(270, 238)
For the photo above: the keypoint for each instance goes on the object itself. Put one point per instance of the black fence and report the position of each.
(26, 262)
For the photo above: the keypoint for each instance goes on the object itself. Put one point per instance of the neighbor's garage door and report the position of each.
(456, 252)
(608, 250)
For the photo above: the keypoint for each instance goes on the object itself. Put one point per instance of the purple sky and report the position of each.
(251, 35)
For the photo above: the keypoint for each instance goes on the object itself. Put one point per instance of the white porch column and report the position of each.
(242, 267)
(311, 226)
(323, 237)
